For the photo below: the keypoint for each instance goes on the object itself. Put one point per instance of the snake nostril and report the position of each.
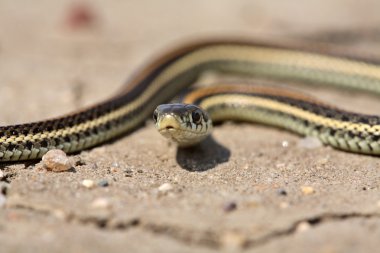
(169, 127)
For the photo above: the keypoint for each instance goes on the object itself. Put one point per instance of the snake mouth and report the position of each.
(168, 131)
(168, 126)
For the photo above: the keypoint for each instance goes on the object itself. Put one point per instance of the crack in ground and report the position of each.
(207, 238)
(214, 240)
(312, 221)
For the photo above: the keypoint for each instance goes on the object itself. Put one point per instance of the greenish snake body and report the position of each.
(165, 77)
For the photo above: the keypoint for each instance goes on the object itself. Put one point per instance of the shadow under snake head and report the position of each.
(184, 124)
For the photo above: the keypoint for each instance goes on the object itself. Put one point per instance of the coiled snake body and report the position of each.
(165, 77)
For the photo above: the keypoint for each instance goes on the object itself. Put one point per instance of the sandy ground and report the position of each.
(49, 67)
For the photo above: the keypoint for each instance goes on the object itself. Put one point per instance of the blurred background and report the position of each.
(56, 56)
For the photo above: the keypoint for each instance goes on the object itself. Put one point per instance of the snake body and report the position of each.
(163, 78)
(273, 106)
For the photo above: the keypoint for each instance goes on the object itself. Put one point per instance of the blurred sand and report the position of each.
(48, 68)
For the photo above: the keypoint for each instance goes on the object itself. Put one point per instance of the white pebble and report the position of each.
(165, 187)
(59, 214)
(101, 203)
(285, 144)
(1, 174)
(88, 183)
(115, 165)
(56, 160)
(307, 190)
(303, 226)
(309, 142)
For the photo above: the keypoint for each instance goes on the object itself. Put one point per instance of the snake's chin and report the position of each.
(173, 135)
(168, 132)
(180, 138)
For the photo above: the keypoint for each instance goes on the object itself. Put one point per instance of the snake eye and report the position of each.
(155, 116)
(196, 117)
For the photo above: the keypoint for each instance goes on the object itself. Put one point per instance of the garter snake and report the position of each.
(164, 77)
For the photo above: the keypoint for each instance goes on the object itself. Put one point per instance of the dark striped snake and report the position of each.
(165, 77)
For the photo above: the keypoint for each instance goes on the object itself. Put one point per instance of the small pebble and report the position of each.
(309, 142)
(165, 188)
(324, 161)
(307, 190)
(229, 206)
(59, 214)
(128, 173)
(56, 160)
(282, 192)
(303, 226)
(284, 205)
(101, 203)
(253, 202)
(88, 183)
(285, 144)
(233, 240)
(103, 183)
(115, 165)
(113, 170)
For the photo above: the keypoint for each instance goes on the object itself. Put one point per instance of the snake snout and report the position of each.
(168, 123)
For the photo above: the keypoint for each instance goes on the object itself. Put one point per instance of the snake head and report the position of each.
(187, 125)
